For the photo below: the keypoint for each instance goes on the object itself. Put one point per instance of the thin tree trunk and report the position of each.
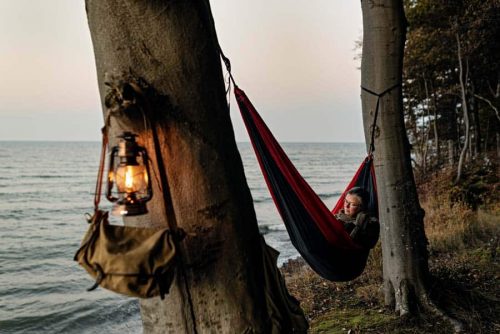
(435, 123)
(476, 122)
(487, 135)
(451, 152)
(170, 50)
(498, 145)
(427, 128)
(469, 110)
(402, 234)
(465, 111)
(417, 146)
(420, 139)
(470, 153)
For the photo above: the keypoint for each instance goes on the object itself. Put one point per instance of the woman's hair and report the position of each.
(362, 194)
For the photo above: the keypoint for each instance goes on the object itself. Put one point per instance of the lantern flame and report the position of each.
(129, 179)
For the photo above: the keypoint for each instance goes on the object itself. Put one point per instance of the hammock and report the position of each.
(314, 231)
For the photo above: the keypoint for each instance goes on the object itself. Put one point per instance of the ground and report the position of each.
(463, 229)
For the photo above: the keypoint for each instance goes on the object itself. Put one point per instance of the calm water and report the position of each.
(46, 187)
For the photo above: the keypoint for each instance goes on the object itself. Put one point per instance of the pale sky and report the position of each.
(294, 59)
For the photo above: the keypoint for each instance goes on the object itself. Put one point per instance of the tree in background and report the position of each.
(403, 239)
(404, 244)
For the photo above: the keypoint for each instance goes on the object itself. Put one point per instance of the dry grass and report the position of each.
(464, 215)
(454, 226)
(463, 246)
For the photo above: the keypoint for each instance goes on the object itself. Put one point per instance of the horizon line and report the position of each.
(98, 141)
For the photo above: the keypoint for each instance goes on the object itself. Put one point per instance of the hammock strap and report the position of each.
(227, 63)
(374, 123)
(379, 96)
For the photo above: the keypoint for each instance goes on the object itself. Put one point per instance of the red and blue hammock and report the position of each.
(314, 231)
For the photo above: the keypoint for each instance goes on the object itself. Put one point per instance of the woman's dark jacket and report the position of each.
(363, 229)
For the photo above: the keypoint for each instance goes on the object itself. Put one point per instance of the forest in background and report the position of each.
(451, 83)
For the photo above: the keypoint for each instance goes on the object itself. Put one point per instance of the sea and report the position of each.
(45, 190)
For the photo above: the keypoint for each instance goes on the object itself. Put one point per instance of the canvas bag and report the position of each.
(133, 261)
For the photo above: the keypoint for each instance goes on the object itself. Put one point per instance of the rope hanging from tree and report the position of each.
(377, 107)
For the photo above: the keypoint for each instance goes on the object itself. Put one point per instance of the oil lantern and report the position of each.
(129, 182)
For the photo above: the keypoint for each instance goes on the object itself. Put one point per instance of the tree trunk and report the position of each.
(403, 238)
(498, 145)
(427, 126)
(476, 122)
(170, 50)
(464, 109)
(451, 152)
(435, 125)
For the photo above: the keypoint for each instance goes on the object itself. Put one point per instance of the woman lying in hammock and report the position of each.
(363, 228)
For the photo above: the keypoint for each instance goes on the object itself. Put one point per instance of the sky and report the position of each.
(295, 59)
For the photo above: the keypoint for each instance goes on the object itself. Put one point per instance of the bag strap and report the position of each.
(100, 172)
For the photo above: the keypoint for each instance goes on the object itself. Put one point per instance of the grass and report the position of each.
(464, 243)
(340, 321)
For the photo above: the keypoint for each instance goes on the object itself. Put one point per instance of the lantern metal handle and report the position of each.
(145, 160)
(110, 182)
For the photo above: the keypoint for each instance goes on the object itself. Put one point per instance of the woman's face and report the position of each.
(352, 205)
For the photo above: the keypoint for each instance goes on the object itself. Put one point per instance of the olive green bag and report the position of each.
(133, 261)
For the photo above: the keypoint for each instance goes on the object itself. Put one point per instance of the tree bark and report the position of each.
(435, 125)
(498, 145)
(427, 126)
(403, 238)
(476, 121)
(169, 48)
(451, 152)
(465, 111)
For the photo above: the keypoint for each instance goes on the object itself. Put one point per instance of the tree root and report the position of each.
(429, 306)
(406, 300)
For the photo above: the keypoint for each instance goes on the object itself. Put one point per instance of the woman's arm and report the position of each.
(367, 230)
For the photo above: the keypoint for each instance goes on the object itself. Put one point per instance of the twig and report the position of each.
(490, 104)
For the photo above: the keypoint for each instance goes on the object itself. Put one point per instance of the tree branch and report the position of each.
(490, 104)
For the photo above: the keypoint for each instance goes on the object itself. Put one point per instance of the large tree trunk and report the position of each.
(169, 48)
(403, 239)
